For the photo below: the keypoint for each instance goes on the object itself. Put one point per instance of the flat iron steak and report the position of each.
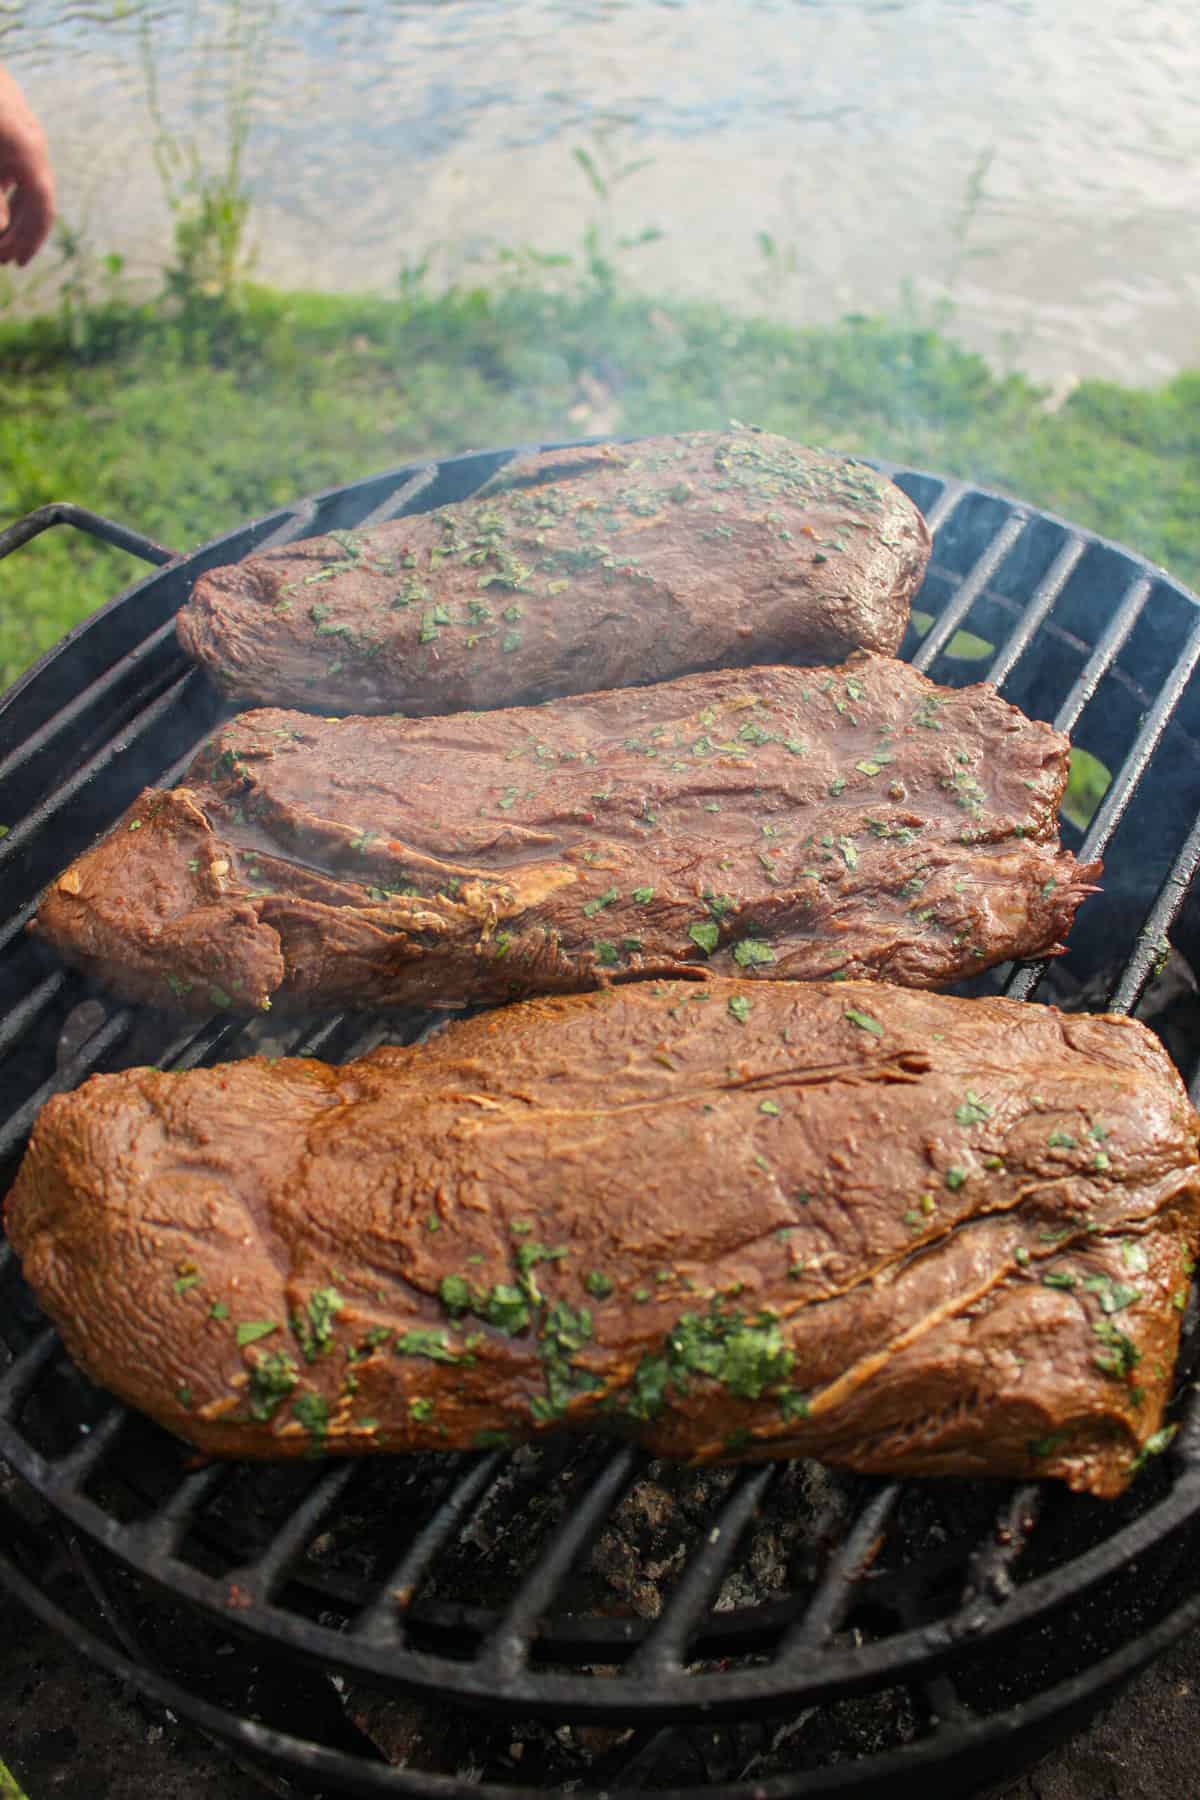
(785, 822)
(572, 570)
(898, 1231)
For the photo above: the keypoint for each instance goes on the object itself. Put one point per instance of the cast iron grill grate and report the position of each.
(504, 1582)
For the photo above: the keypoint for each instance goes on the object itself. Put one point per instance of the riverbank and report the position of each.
(184, 418)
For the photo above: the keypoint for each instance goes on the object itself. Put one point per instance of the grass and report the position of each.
(183, 419)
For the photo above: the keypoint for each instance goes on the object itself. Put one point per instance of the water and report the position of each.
(1032, 162)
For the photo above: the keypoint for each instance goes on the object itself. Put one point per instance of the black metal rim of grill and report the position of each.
(1070, 627)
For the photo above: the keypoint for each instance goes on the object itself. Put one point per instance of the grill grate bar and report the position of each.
(26, 1011)
(71, 1470)
(36, 822)
(507, 1651)
(828, 1606)
(381, 1622)
(171, 774)
(257, 1578)
(311, 1040)
(937, 514)
(19, 1378)
(989, 1568)
(117, 677)
(1136, 974)
(1104, 655)
(663, 1649)
(377, 1032)
(161, 1535)
(191, 1047)
(973, 584)
(628, 1770)
(1033, 615)
(1112, 808)
(296, 525)
(943, 1704)
(16, 1128)
(14, 925)
(401, 500)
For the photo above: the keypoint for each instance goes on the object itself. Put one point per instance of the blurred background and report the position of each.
(297, 245)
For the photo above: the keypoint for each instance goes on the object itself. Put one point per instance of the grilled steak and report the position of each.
(787, 821)
(791, 822)
(897, 1231)
(574, 569)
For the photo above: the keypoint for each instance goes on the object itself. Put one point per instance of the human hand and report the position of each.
(26, 178)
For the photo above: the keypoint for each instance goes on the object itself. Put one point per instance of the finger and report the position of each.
(31, 214)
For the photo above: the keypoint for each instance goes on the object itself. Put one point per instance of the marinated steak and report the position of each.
(893, 1230)
(788, 822)
(574, 569)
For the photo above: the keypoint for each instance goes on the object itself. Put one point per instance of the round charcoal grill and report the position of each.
(779, 1630)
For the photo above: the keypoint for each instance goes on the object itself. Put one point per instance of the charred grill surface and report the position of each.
(777, 821)
(945, 1234)
(588, 568)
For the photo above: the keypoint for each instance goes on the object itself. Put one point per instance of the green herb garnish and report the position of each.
(706, 935)
(751, 951)
(252, 1329)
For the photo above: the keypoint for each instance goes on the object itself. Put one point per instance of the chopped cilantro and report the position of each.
(311, 1411)
(488, 1438)
(705, 934)
(314, 1327)
(271, 1380)
(793, 1405)
(751, 951)
(454, 1292)
(507, 1309)
(252, 1329)
(605, 899)
(1154, 1445)
(433, 1344)
(1120, 1355)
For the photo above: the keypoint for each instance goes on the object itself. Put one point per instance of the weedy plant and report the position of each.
(605, 173)
(962, 250)
(209, 206)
